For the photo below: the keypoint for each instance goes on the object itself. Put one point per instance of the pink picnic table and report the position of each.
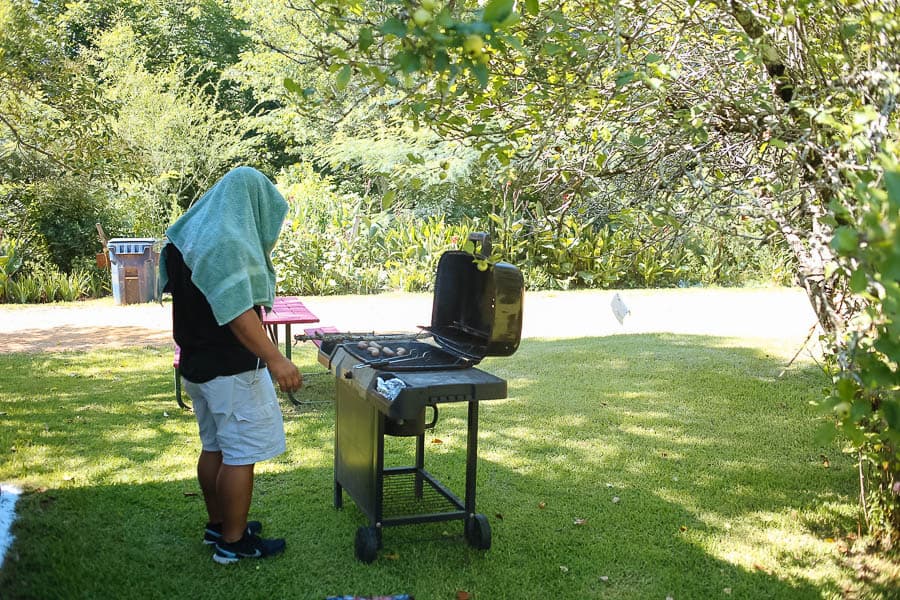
(286, 310)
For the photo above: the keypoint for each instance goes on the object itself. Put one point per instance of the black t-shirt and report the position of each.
(208, 350)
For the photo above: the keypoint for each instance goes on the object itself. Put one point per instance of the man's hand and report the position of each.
(286, 374)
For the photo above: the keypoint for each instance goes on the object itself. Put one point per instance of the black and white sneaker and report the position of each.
(249, 546)
(213, 531)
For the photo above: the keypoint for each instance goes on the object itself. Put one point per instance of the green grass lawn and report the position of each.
(640, 466)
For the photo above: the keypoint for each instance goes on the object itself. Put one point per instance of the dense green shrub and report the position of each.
(336, 243)
(866, 394)
(10, 261)
(64, 217)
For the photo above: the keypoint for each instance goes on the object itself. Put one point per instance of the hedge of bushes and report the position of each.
(337, 243)
(344, 243)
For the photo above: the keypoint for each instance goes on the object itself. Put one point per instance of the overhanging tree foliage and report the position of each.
(780, 113)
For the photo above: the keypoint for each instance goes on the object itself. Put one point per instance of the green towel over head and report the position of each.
(226, 239)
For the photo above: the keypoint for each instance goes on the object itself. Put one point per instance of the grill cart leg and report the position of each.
(471, 457)
(477, 528)
(338, 495)
(420, 464)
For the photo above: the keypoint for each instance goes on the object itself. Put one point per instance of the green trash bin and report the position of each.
(133, 263)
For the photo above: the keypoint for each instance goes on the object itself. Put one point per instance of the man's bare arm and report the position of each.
(249, 331)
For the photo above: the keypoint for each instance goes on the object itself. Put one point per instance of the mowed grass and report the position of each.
(645, 466)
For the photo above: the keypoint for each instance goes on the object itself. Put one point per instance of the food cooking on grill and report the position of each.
(387, 351)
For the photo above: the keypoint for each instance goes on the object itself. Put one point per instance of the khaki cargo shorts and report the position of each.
(239, 415)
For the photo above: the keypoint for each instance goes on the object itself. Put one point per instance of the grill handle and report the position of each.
(485, 240)
(434, 417)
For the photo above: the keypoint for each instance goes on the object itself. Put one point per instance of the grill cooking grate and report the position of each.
(418, 356)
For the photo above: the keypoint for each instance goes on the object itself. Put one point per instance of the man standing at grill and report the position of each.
(218, 268)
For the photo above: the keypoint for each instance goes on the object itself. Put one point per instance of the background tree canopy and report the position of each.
(602, 143)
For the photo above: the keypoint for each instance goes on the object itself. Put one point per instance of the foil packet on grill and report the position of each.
(390, 388)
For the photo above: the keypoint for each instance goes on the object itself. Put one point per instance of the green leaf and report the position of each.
(393, 26)
(846, 389)
(497, 11)
(552, 49)
(849, 30)
(891, 411)
(858, 281)
(510, 20)
(292, 86)
(388, 199)
(407, 61)
(860, 409)
(481, 74)
(343, 78)
(441, 61)
(624, 78)
(366, 39)
(892, 183)
(845, 240)
(532, 7)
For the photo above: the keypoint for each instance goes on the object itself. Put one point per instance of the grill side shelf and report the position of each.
(437, 387)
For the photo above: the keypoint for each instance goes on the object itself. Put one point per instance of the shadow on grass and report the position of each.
(652, 444)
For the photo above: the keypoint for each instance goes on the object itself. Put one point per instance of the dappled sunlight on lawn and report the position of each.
(798, 555)
(651, 458)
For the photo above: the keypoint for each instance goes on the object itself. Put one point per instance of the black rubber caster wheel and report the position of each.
(478, 532)
(366, 544)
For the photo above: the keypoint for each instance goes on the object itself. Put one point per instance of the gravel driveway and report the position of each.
(765, 313)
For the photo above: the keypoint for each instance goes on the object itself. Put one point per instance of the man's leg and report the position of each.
(234, 491)
(208, 466)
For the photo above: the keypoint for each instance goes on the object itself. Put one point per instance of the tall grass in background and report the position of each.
(52, 285)
(46, 283)
(345, 243)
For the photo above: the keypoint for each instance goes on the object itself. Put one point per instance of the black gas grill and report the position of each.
(387, 385)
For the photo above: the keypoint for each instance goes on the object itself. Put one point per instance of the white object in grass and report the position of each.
(619, 309)
(8, 497)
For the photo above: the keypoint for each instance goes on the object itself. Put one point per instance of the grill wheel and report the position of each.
(478, 532)
(366, 544)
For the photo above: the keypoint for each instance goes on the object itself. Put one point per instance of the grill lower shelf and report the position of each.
(401, 500)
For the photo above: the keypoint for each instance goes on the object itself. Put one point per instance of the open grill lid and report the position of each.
(477, 313)
(474, 314)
